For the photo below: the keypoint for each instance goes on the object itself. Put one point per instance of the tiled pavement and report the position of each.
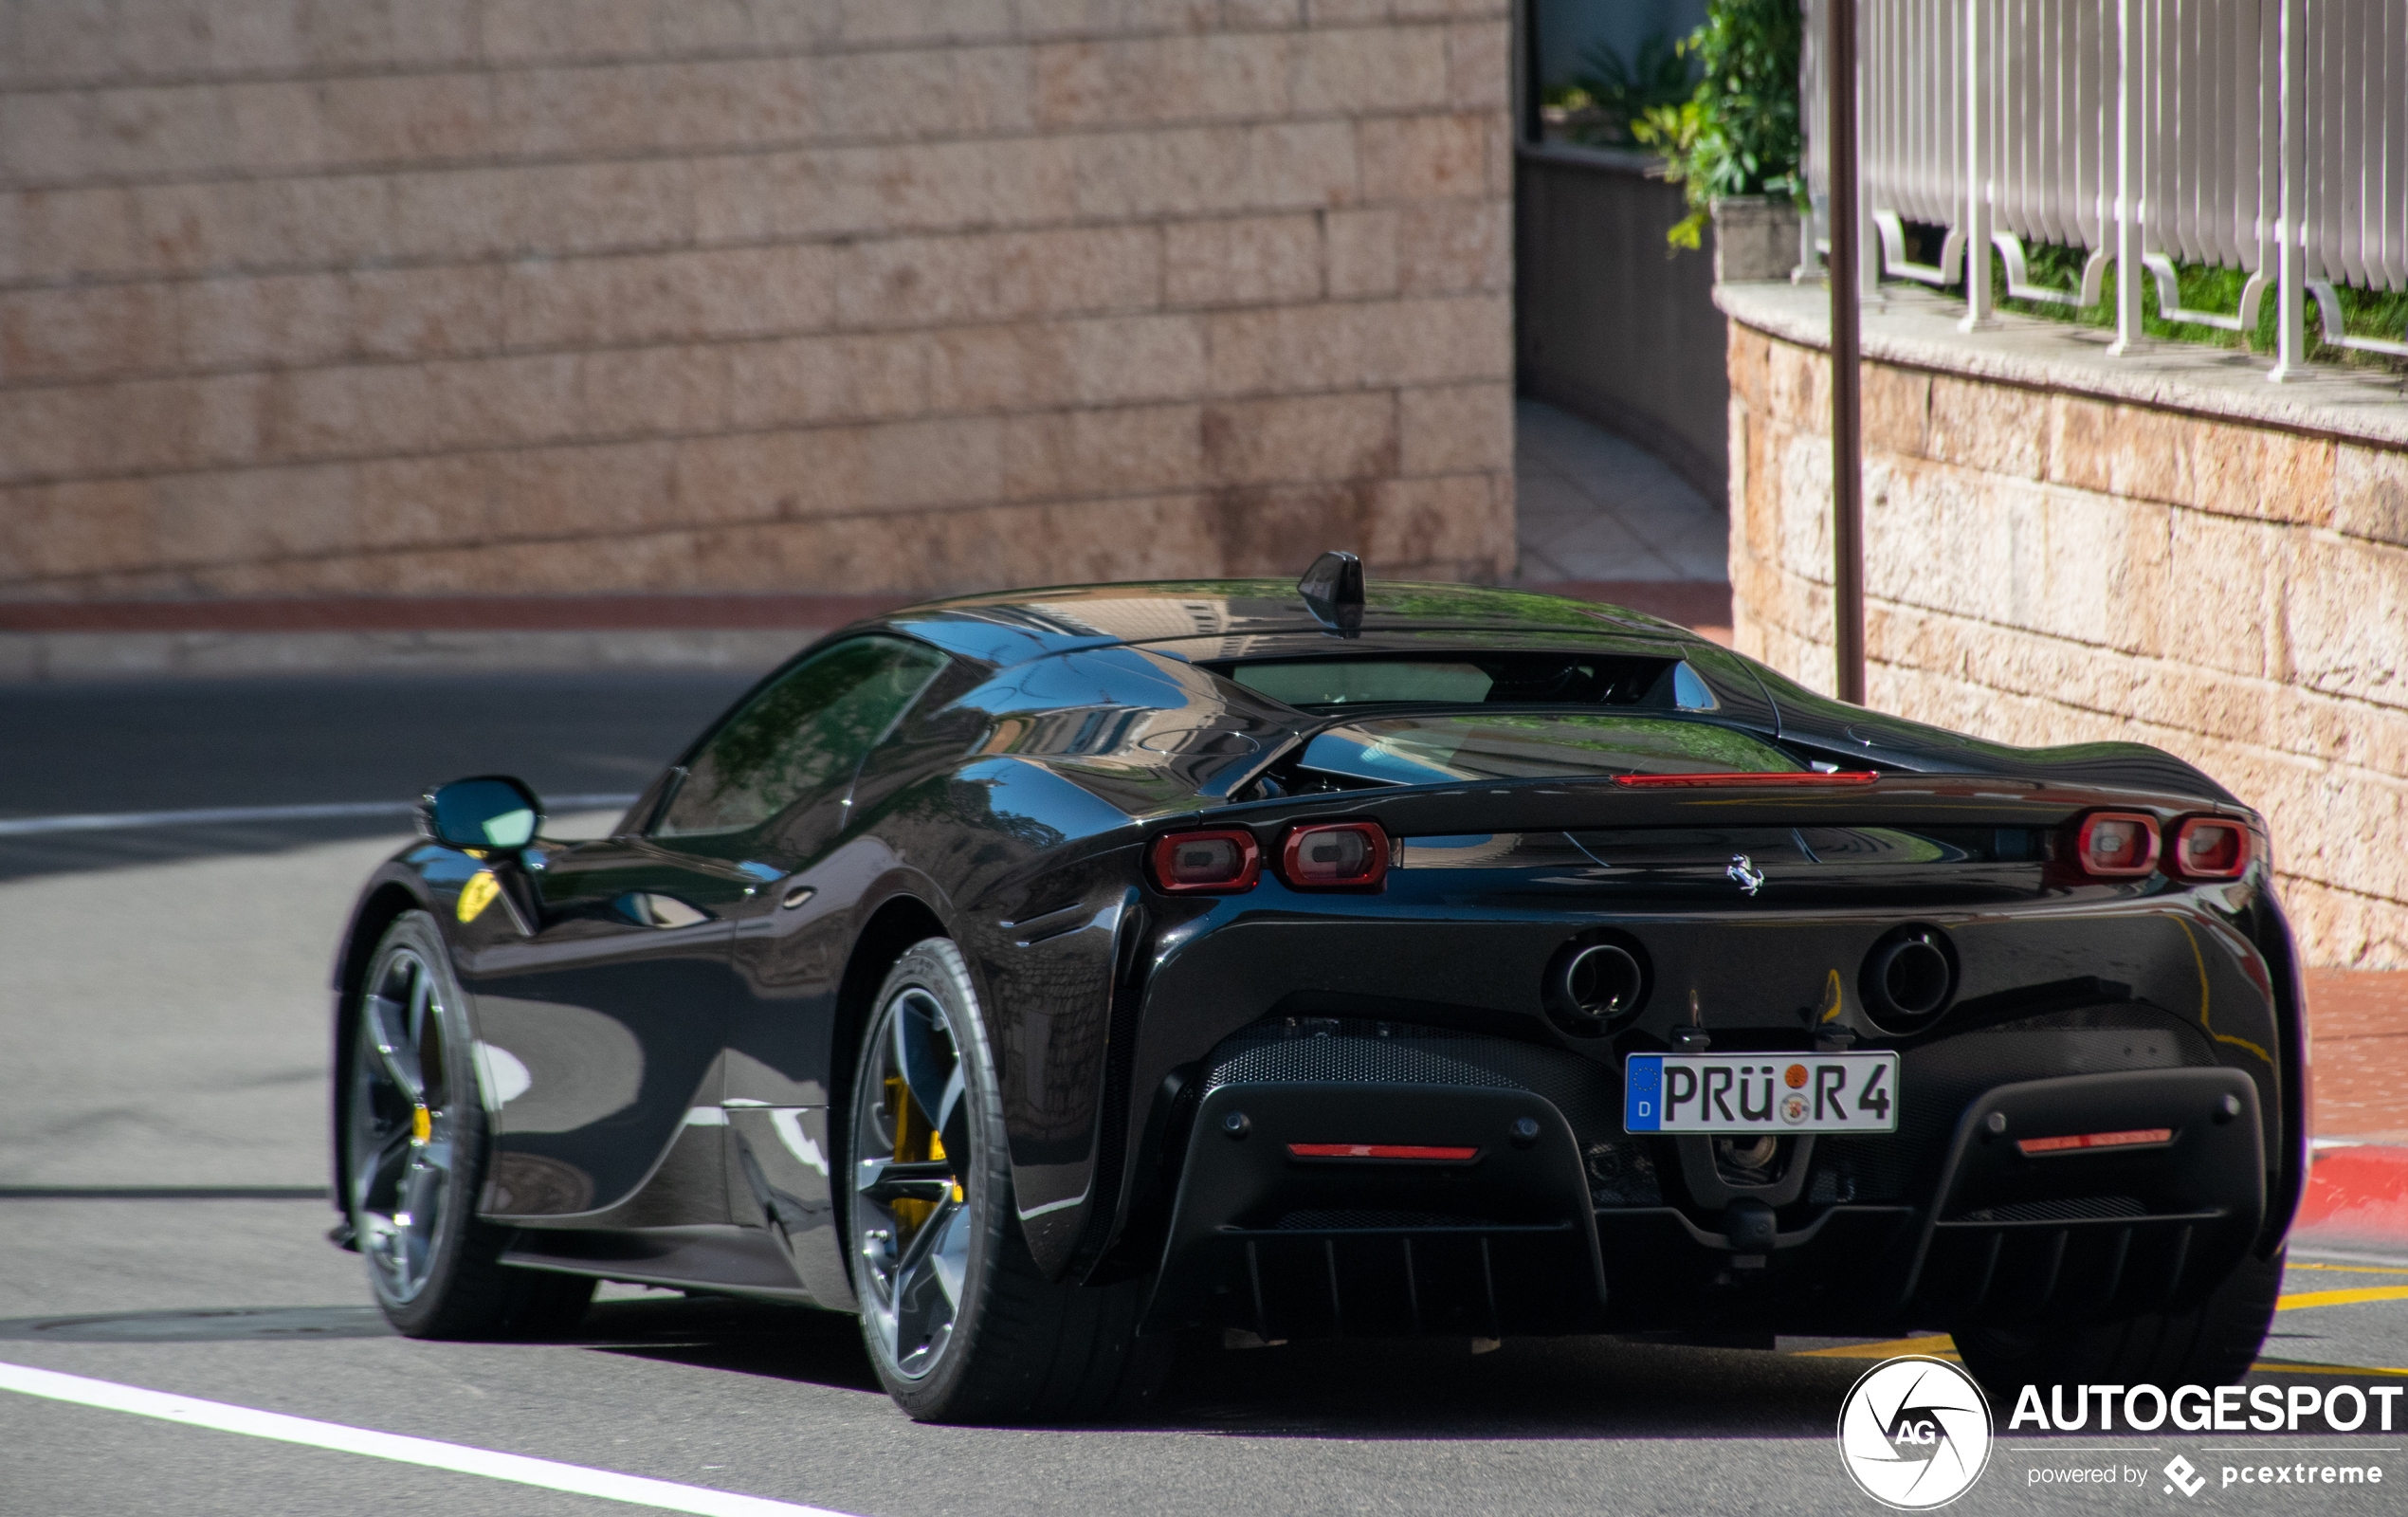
(1593, 507)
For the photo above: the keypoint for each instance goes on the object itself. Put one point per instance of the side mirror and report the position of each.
(490, 810)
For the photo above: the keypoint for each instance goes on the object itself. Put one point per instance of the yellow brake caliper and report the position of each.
(911, 1138)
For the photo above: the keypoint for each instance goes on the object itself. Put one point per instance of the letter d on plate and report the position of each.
(1643, 1093)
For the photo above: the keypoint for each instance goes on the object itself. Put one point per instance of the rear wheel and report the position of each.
(413, 1142)
(959, 1321)
(2213, 1344)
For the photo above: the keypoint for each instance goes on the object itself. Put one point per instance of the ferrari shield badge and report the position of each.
(477, 895)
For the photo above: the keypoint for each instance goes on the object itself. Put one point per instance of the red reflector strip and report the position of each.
(1377, 1151)
(2136, 1138)
(1804, 776)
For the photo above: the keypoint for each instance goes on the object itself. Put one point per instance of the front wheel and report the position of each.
(959, 1321)
(413, 1151)
(2213, 1344)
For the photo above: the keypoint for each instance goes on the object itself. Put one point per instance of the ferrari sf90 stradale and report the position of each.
(1042, 976)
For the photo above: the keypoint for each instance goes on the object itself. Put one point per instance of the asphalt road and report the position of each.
(162, 1023)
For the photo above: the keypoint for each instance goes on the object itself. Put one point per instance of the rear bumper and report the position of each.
(1572, 1229)
(1294, 1247)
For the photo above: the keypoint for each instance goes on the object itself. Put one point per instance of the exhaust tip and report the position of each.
(1596, 986)
(1910, 977)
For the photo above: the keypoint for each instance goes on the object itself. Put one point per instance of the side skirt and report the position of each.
(738, 1260)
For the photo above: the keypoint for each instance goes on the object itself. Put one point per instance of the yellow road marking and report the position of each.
(2341, 1298)
(2347, 1269)
(1942, 1347)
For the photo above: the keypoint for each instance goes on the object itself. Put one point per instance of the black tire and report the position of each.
(2213, 1344)
(1017, 1347)
(402, 1158)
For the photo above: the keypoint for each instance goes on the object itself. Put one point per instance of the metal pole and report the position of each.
(1980, 309)
(1847, 445)
(2290, 315)
(2130, 82)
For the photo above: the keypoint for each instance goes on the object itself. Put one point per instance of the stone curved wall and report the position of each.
(2062, 547)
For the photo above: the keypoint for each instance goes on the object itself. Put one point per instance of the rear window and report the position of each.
(1423, 750)
(1476, 679)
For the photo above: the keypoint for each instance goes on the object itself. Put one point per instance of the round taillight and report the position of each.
(2117, 844)
(1224, 861)
(2210, 847)
(1336, 856)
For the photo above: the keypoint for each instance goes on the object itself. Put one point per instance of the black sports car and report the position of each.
(1041, 976)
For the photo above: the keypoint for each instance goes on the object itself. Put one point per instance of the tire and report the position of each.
(958, 1321)
(2213, 1344)
(414, 1145)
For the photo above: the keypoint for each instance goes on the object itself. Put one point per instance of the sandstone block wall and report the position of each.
(452, 296)
(2044, 566)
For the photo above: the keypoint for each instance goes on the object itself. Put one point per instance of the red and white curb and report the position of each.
(2357, 1199)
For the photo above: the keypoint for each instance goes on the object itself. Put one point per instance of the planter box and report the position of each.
(1755, 238)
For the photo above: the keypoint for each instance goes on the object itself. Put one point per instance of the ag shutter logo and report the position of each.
(1914, 1433)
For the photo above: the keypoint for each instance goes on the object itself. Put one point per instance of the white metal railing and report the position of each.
(2147, 133)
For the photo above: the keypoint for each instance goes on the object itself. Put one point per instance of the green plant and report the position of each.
(1605, 102)
(1738, 132)
(2365, 313)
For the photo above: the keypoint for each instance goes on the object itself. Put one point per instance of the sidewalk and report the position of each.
(2357, 1199)
(2360, 1022)
(1604, 520)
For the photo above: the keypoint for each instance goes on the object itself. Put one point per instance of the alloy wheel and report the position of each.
(403, 1153)
(912, 1165)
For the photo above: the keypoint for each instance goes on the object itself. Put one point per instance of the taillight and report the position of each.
(2210, 847)
(1334, 856)
(1223, 862)
(2117, 844)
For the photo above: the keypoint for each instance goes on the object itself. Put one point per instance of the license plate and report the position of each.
(1761, 1092)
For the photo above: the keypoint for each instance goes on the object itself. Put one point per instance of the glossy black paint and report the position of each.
(683, 1074)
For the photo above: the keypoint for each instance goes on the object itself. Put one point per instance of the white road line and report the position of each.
(577, 1480)
(219, 815)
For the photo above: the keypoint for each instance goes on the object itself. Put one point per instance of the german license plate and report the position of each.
(1761, 1092)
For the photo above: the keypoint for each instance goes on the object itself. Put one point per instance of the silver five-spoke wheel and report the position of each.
(403, 1126)
(912, 1142)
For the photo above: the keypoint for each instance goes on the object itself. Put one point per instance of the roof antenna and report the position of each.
(1332, 591)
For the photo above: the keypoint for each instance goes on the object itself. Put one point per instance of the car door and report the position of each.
(602, 1030)
(790, 941)
(599, 1031)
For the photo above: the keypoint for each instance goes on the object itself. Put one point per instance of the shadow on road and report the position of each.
(279, 1324)
(1357, 1388)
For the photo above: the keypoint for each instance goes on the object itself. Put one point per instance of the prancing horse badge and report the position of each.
(1746, 874)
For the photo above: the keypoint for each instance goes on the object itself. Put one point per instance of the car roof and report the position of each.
(1017, 626)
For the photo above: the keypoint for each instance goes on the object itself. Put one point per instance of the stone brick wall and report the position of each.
(2049, 563)
(453, 295)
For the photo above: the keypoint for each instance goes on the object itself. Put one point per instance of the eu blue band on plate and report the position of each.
(1643, 1093)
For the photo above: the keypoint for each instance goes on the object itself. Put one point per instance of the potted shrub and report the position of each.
(1734, 146)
